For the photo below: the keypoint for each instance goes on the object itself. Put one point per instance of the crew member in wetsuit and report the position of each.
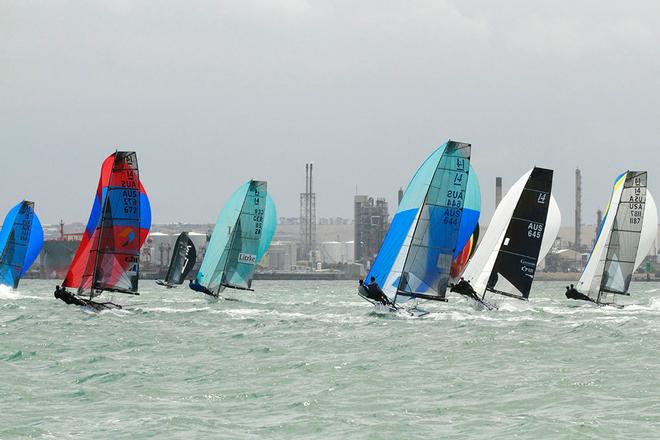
(376, 293)
(572, 293)
(197, 287)
(68, 297)
(465, 288)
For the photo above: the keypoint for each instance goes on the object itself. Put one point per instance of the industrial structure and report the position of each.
(400, 196)
(599, 221)
(498, 191)
(371, 223)
(577, 243)
(57, 254)
(307, 248)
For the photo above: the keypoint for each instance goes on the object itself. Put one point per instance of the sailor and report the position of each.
(197, 287)
(68, 297)
(376, 293)
(465, 288)
(572, 293)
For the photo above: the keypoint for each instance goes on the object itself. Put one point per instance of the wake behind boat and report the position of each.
(520, 234)
(623, 241)
(436, 219)
(108, 258)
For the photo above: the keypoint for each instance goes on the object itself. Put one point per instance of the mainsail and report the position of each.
(108, 257)
(433, 226)
(241, 237)
(522, 230)
(624, 239)
(184, 257)
(21, 239)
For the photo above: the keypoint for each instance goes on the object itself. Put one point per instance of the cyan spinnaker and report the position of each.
(21, 240)
(241, 237)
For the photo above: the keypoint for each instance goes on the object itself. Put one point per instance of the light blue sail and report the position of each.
(21, 239)
(241, 237)
(426, 188)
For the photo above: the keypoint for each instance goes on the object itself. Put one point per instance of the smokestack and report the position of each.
(578, 210)
(400, 195)
(498, 191)
(311, 244)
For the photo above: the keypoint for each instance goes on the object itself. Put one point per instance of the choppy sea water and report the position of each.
(309, 360)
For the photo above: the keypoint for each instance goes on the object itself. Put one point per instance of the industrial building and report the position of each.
(371, 223)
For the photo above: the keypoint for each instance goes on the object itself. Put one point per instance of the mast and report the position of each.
(104, 206)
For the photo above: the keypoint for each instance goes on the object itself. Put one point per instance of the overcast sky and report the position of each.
(212, 93)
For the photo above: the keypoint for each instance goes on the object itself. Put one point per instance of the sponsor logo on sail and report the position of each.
(247, 258)
(528, 267)
(126, 236)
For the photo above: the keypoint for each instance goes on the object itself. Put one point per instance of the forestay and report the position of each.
(522, 230)
(435, 221)
(21, 239)
(242, 235)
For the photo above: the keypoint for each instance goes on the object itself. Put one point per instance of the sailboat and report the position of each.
(624, 239)
(241, 237)
(184, 258)
(520, 234)
(433, 229)
(21, 239)
(108, 258)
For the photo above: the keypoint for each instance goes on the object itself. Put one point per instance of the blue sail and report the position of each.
(21, 239)
(241, 237)
(427, 204)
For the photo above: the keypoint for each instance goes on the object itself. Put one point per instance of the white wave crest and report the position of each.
(7, 292)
